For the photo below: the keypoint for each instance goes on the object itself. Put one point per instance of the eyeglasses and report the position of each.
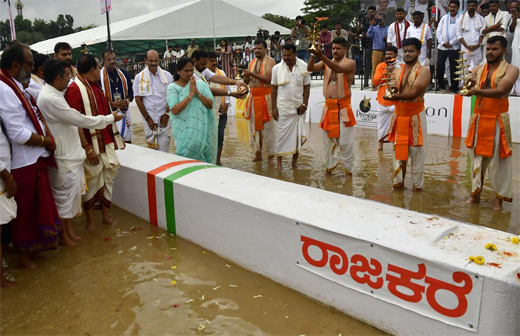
(30, 63)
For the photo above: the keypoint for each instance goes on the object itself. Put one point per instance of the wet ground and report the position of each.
(447, 178)
(135, 279)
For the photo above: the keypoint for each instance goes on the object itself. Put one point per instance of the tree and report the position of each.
(279, 19)
(342, 11)
(81, 28)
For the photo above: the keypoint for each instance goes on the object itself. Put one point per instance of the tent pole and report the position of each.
(214, 34)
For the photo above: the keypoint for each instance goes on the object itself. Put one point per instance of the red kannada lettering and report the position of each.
(460, 292)
(340, 258)
(374, 268)
(405, 280)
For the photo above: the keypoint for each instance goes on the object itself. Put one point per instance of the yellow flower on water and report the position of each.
(515, 240)
(491, 247)
(173, 267)
(174, 282)
(479, 260)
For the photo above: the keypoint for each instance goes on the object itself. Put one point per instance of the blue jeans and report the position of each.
(222, 121)
(304, 55)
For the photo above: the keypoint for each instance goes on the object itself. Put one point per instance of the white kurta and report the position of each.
(392, 37)
(7, 205)
(423, 33)
(515, 60)
(67, 180)
(291, 131)
(470, 28)
(155, 105)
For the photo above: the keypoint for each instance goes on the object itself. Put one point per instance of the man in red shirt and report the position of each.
(85, 95)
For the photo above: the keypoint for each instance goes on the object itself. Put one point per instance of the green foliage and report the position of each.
(279, 19)
(342, 11)
(39, 30)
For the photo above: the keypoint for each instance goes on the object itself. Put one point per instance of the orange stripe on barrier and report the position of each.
(457, 116)
(152, 197)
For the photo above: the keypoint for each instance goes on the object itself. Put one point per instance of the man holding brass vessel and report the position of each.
(408, 126)
(489, 133)
(337, 120)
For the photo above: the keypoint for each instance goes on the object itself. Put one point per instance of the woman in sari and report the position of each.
(191, 112)
(226, 59)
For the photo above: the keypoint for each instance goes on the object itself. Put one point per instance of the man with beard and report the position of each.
(386, 108)
(291, 86)
(63, 52)
(118, 89)
(408, 126)
(397, 32)
(469, 33)
(497, 21)
(423, 33)
(36, 225)
(150, 96)
(337, 120)
(489, 133)
(259, 110)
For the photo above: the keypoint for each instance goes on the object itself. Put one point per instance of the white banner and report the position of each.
(431, 289)
(105, 5)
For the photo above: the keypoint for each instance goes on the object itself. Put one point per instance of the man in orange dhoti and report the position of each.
(337, 120)
(408, 126)
(385, 108)
(489, 133)
(259, 109)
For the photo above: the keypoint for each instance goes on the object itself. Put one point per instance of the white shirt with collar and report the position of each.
(156, 103)
(179, 53)
(470, 28)
(19, 127)
(63, 122)
(35, 85)
(219, 100)
(424, 32)
(451, 37)
(503, 17)
(204, 75)
(392, 34)
(290, 96)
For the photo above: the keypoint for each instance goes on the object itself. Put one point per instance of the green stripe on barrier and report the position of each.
(169, 201)
(473, 100)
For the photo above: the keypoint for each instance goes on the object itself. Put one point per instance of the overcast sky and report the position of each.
(88, 11)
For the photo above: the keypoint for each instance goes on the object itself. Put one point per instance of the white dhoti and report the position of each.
(473, 58)
(500, 170)
(345, 144)
(100, 178)
(8, 208)
(266, 137)
(400, 54)
(291, 132)
(125, 127)
(159, 139)
(67, 188)
(417, 155)
(385, 116)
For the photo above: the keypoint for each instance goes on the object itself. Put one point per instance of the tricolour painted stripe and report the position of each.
(169, 194)
(473, 100)
(457, 116)
(152, 198)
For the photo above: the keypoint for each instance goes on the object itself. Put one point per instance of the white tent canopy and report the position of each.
(189, 20)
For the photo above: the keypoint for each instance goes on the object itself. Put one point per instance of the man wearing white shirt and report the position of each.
(423, 33)
(469, 29)
(168, 53)
(397, 33)
(36, 226)
(449, 46)
(177, 52)
(290, 84)
(67, 178)
(37, 81)
(150, 96)
(497, 21)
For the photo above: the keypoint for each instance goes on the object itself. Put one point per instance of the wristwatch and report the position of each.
(229, 93)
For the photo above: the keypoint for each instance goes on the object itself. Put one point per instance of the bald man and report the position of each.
(150, 96)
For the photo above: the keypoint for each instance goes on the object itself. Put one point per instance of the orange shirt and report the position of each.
(378, 79)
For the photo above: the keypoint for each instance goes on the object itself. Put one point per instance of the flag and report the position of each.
(11, 20)
(105, 5)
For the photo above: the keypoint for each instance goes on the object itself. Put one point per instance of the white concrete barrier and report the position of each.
(403, 272)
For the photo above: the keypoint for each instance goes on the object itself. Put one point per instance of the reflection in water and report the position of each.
(123, 286)
(447, 179)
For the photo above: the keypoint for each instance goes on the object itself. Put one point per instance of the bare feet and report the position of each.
(294, 165)
(73, 237)
(380, 146)
(25, 262)
(108, 221)
(348, 177)
(328, 173)
(474, 200)
(498, 204)
(91, 226)
(65, 241)
(270, 159)
(398, 186)
(219, 163)
(258, 157)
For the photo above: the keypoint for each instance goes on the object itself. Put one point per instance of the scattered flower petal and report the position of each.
(154, 279)
(108, 238)
(151, 237)
(286, 316)
(479, 260)
(203, 297)
(203, 251)
(515, 240)
(491, 247)
(233, 286)
(228, 266)
(258, 296)
(174, 282)
(188, 301)
(173, 267)
(175, 305)
(170, 258)
(202, 327)
(217, 287)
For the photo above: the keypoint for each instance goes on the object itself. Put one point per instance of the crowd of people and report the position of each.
(62, 125)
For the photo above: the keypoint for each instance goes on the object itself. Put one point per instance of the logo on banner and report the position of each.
(431, 289)
(365, 105)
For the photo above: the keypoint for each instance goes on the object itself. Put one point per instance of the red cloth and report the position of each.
(73, 97)
(37, 222)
